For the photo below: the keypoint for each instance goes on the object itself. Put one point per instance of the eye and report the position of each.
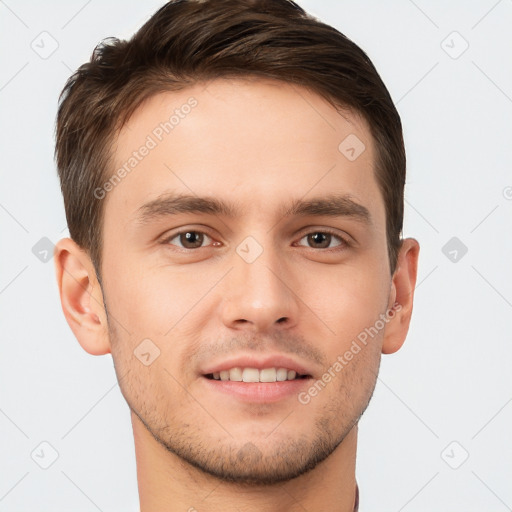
(189, 239)
(193, 239)
(323, 239)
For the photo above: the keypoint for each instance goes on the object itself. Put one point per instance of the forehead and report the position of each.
(251, 142)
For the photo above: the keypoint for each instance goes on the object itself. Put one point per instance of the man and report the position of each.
(233, 182)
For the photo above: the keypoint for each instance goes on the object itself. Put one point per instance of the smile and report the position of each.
(238, 374)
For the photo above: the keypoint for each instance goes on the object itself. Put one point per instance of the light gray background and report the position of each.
(451, 382)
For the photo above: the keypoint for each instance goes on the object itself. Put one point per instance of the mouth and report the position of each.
(256, 378)
(256, 375)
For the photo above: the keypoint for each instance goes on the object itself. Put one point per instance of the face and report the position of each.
(223, 260)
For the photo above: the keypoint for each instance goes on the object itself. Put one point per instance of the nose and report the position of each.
(259, 295)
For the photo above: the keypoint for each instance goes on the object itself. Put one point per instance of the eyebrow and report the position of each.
(334, 205)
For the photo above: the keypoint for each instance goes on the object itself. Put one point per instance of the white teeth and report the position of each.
(251, 375)
(238, 374)
(268, 375)
(235, 374)
(281, 374)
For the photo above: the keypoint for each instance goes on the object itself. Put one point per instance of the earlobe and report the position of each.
(81, 297)
(402, 296)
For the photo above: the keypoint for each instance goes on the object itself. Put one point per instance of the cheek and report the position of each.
(346, 299)
(151, 301)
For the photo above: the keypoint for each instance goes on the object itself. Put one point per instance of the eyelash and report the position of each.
(344, 242)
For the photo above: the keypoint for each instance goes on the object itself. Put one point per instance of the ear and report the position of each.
(81, 297)
(401, 296)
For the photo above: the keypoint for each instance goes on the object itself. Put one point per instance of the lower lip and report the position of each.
(258, 392)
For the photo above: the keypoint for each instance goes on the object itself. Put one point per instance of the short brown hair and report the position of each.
(187, 41)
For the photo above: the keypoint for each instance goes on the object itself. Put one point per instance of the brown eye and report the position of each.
(188, 239)
(323, 240)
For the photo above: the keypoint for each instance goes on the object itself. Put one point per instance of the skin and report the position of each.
(260, 144)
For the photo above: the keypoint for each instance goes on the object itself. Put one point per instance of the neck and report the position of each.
(167, 483)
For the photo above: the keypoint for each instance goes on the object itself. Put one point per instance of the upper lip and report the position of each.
(260, 362)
